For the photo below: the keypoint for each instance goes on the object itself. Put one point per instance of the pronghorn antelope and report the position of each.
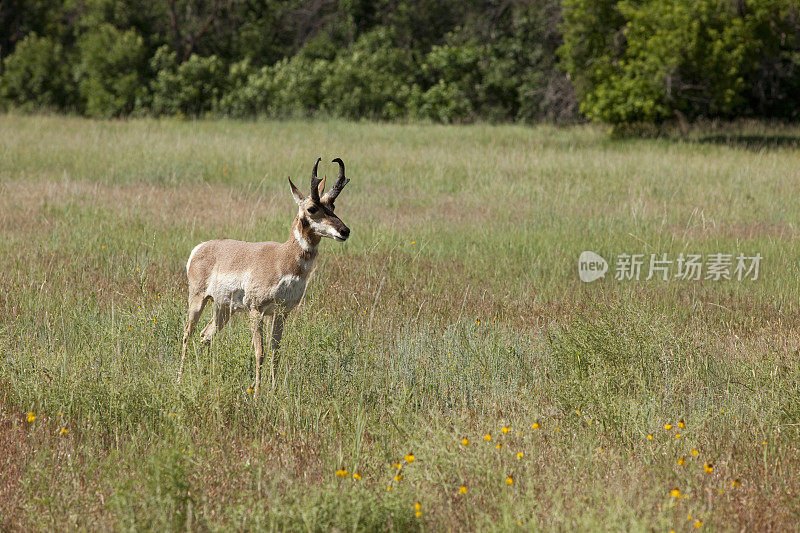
(262, 278)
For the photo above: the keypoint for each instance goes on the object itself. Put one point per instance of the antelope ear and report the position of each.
(321, 187)
(299, 198)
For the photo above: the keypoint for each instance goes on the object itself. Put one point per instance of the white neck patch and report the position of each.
(304, 244)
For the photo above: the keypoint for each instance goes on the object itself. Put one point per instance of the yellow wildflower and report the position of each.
(675, 493)
(681, 461)
(397, 466)
(499, 446)
(341, 473)
(698, 524)
(64, 431)
(465, 441)
(505, 429)
(356, 476)
(695, 452)
(509, 480)
(708, 468)
(520, 455)
(398, 477)
(650, 437)
(31, 417)
(409, 458)
(535, 425)
(418, 513)
(678, 435)
(667, 426)
(488, 437)
(463, 489)
(417, 506)
(734, 483)
(681, 425)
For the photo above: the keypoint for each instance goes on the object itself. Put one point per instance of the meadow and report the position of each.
(447, 369)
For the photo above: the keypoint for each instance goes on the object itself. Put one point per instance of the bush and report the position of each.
(646, 61)
(246, 95)
(296, 86)
(456, 76)
(371, 79)
(36, 76)
(444, 102)
(109, 71)
(290, 88)
(503, 72)
(191, 88)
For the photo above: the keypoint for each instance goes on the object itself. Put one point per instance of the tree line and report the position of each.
(614, 61)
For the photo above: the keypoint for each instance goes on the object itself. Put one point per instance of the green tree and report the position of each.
(191, 88)
(646, 60)
(36, 75)
(109, 71)
(370, 80)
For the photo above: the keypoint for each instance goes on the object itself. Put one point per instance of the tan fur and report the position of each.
(261, 278)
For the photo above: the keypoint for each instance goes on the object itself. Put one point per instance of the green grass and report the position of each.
(454, 310)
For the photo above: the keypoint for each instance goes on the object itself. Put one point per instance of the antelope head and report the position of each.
(318, 208)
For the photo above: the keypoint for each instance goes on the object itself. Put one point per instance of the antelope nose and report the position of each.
(345, 232)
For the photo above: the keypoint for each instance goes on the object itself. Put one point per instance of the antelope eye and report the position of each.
(312, 210)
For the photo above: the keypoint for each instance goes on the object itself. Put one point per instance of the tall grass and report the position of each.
(455, 310)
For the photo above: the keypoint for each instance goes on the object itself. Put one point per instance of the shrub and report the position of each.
(371, 79)
(246, 96)
(36, 75)
(296, 86)
(502, 72)
(290, 88)
(646, 61)
(456, 76)
(109, 71)
(444, 102)
(191, 88)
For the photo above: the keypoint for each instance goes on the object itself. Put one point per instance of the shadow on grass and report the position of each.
(755, 143)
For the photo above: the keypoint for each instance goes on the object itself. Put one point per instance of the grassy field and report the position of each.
(454, 312)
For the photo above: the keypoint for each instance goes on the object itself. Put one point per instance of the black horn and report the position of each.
(341, 181)
(315, 181)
